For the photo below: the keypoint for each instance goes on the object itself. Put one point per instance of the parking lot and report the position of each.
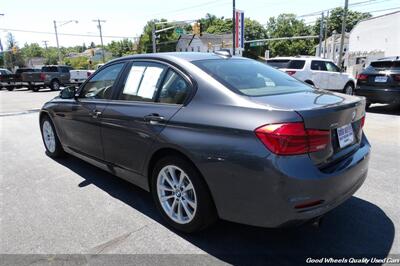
(70, 207)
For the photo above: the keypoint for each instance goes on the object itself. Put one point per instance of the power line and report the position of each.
(190, 7)
(362, 3)
(67, 34)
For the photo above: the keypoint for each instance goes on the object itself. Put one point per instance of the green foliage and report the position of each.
(78, 62)
(121, 48)
(13, 59)
(335, 20)
(287, 25)
(165, 39)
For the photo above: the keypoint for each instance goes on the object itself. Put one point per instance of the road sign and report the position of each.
(255, 44)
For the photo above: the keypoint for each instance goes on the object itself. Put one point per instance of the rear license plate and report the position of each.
(381, 79)
(345, 135)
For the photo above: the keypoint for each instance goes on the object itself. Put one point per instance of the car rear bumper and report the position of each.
(379, 94)
(268, 196)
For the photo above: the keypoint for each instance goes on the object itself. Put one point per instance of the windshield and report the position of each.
(250, 77)
(286, 63)
(386, 64)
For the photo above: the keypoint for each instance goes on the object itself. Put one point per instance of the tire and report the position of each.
(367, 106)
(10, 88)
(192, 210)
(50, 139)
(35, 89)
(348, 89)
(55, 85)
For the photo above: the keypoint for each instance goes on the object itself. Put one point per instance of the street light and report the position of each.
(99, 21)
(60, 24)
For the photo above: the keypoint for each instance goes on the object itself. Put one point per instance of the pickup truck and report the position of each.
(50, 76)
(77, 77)
(12, 81)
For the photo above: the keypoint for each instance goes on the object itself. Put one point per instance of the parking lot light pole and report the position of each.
(56, 32)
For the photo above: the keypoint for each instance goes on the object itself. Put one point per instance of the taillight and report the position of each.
(290, 72)
(292, 138)
(42, 76)
(362, 77)
(396, 77)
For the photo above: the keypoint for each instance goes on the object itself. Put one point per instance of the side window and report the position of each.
(332, 67)
(318, 65)
(64, 69)
(174, 89)
(142, 82)
(100, 85)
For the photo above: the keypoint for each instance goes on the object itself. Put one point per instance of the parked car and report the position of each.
(4, 72)
(210, 135)
(50, 76)
(11, 81)
(380, 81)
(318, 72)
(77, 77)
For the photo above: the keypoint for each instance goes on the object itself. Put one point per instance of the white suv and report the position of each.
(319, 72)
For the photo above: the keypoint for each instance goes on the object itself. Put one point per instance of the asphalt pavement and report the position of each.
(67, 211)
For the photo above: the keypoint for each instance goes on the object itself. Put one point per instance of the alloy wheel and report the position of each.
(48, 136)
(176, 194)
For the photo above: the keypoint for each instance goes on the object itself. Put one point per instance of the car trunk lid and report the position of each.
(337, 113)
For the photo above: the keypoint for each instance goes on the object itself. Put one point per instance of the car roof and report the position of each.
(174, 56)
(303, 57)
(391, 58)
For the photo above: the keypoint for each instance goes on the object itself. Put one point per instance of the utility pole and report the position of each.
(101, 36)
(233, 27)
(45, 44)
(56, 32)
(346, 5)
(321, 32)
(326, 34)
(153, 37)
(58, 44)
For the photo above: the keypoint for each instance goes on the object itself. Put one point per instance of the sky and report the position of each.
(124, 18)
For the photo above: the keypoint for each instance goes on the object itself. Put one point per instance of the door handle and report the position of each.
(153, 118)
(95, 113)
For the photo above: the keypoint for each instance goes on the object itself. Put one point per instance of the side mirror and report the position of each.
(68, 93)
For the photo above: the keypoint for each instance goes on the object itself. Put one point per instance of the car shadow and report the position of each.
(357, 228)
(389, 109)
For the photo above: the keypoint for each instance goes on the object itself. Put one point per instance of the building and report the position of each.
(371, 39)
(333, 46)
(95, 54)
(206, 43)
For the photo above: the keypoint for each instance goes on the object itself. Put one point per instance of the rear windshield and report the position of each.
(22, 70)
(286, 63)
(250, 77)
(386, 64)
(50, 69)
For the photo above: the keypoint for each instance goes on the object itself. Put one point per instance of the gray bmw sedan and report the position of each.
(214, 136)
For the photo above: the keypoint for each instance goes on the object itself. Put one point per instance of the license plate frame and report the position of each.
(345, 135)
(381, 79)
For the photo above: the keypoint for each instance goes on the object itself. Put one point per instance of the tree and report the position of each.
(165, 40)
(287, 25)
(92, 45)
(32, 50)
(12, 58)
(120, 48)
(335, 20)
